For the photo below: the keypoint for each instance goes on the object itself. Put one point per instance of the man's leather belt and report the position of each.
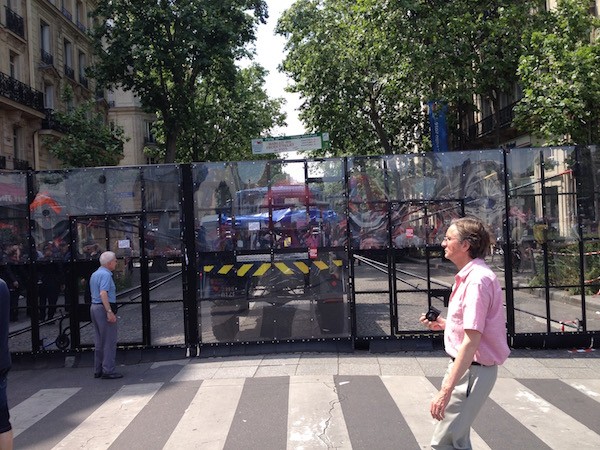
(474, 363)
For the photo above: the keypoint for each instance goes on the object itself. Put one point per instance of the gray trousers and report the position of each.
(105, 340)
(469, 395)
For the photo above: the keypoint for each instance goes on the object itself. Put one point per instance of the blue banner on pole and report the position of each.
(437, 123)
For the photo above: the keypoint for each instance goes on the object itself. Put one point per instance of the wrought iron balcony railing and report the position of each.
(486, 125)
(14, 22)
(66, 13)
(69, 72)
(47, 58)
(81, 27)
(21, 164)
(83, 81)
(50, 122)
(13, 89)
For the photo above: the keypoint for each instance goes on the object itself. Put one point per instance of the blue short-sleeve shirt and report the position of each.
(102, 280)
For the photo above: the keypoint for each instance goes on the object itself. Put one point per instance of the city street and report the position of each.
(542, 400)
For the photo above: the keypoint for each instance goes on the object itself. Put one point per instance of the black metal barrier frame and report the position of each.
(288, 255)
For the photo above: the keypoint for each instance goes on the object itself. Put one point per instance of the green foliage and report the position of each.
(163, 50)
(365, 68)
(87, 141)
(560, 77)
(226, 119)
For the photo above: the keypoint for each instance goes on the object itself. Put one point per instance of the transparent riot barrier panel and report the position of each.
(222, 297)
(49, 212)
(161, 187)
(366, 179)
(530, 311)
(563, 264)
(16, 275)
(368, 224)
(167, 323)
(372, 299)
(481, 186)
(166, 305)
(288, 296)
(86, 192)
(415, 293)
(162, 238)
(124, 187)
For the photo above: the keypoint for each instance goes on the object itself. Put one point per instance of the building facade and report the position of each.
(44, 47)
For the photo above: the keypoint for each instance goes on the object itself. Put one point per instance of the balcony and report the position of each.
(20, 92)
(65, 12)
(14, 22)
(69, 72)
(83, 81)
(21, 164)
(50, 122)
(486, 125)
(81, 27)
(47, 58)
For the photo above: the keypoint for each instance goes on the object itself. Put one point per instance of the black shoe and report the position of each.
(111, 376)
(98, 374)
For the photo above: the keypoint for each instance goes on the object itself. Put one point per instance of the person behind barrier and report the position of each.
(474, 335)
(52, 280)
(6, 434)
(104, 320)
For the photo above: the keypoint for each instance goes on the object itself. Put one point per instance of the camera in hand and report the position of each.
(432, 314)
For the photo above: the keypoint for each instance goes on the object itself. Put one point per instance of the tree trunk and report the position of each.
(172, 133)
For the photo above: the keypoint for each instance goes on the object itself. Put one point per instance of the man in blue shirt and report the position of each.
(6, 434)
(104, 320)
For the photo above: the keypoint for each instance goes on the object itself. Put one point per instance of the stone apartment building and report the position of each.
(44, 47)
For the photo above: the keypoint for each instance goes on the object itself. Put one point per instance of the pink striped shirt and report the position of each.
(476, 303)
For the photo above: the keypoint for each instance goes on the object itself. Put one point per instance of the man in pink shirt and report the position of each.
(474, 335)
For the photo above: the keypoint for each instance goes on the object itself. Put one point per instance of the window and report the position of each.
(13, 62)
(48, 96)
(45, 43)
(45, 36)
(68, 51)
(17, 143)
(148, 136)
(82, 64)
(80, 16)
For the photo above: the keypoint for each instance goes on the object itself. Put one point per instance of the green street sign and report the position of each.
(300, 143)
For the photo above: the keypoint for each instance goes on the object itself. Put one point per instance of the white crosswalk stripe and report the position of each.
(547, 422)
(206, 421)
(37, 407)
(315, 413)
(315, 418)
(103, 426)
(591, 388)
(413, 395)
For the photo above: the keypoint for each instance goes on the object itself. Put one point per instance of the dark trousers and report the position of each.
(14, 306)
(48, 296)
(105, 340)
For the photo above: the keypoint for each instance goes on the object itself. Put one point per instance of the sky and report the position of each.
(269, 49)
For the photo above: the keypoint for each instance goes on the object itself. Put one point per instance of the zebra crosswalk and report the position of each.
(187, 411)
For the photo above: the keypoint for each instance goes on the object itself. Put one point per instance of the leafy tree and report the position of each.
(227, 119)
(560, 77)
(354, 83)
(160, 50)
(366, 68)
(86, 141)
